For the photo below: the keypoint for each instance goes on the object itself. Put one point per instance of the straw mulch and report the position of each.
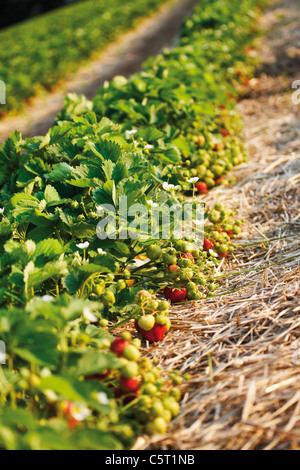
(242, 347)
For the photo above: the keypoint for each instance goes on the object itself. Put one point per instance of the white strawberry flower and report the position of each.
(169, 187)
(1, 210)
(47, 298)
(100, 251)
(128, 134)
(152, 204)
(193, 180)
(88, 315)
(149, 147)
(80, 412)
(83, 246)
(102, 398)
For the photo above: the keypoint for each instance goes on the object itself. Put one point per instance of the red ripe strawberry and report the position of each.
(118, 345)
(229, 233)
(148, 335)
(157, 333)
(186, 255)
(207, 244)
(224, 132)
(136, 324)
(219, 180)
(173, 268)
(218, 147)
(222, 255)
(129, 385)
(201, 187)
(175, 295)
(72, 423)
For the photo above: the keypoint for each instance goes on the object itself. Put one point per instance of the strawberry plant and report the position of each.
(69, 278)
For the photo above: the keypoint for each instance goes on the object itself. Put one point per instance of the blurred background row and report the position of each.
(14, 11)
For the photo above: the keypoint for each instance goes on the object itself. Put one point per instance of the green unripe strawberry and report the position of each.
(167, 415)
(236, 230)
(187, 263)
(145, 401)
(164, 313)
(180, 245)
(219, 207)
(158, 426)
(131, 353)
(191, 295)
(175, 393)
(145, 363)
(177, 380)
(99, 288)
(108, 298)
(103, 322)
(152, 305)
(126, 335)
(154, 252)
(214, 216)
(171, 404)
(146, 322)
(129, 370)
(201, 170)
(215, 235)
(163, 305)
(198, 296)
(223, 248)
(157, 409)
(161, 320)
(196, 253)
(121, 285)
(191, 286)
(168, 325)
(136, 342)
(186, 274)
(149, 377)
(150, 389)
(228, 227)
(217, 170)
(169, 259)
(181, 262)
(210, 182)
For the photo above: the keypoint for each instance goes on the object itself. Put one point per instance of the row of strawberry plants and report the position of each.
(37, 53)
(188, 94)
(63, 289)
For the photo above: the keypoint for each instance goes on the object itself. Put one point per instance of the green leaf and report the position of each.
(51, 194)
(89, 362)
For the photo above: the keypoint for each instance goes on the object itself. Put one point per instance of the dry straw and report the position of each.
(242, 347)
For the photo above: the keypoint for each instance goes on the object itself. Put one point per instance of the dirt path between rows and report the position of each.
(243, 347)
(124, 57)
